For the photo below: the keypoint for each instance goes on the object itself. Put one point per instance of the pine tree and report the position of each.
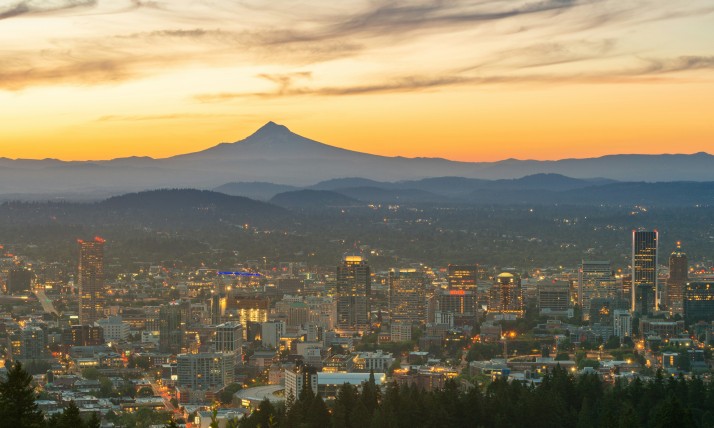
(17, 400)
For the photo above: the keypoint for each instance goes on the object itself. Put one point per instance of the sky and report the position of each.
(465, 80)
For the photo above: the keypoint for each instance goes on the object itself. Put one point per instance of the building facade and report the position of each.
(90, 278)
(678, 277)
(353, 292)
(645, 283)
(407, 296)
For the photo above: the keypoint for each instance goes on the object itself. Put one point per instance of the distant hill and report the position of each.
(255, 190)
(308, 198)
(380, 195)
(172, 201)
(342, 183)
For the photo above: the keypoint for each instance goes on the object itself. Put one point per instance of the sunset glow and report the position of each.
(464, 80)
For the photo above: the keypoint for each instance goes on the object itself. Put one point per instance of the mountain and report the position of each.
(277, 155)
(308, 198)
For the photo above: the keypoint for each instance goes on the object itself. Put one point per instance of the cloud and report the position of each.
(655, 69)
(16, 8)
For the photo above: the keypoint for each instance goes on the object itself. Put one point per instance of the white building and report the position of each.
(271, 332)
(377, 361)
(115, 329)
(622, 323)
(208, 371)
(298, 378)
(229, 337)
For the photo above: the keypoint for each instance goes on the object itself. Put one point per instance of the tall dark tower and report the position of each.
(90, 275)
(678, 277)
(353, 290)
(645, 287)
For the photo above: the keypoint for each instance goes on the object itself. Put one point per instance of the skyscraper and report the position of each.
(172, 327)
(353, 291)
(645, 287)
(595, 281)
(91, 280)
(506, 296)
(407, 295)
(678, 277)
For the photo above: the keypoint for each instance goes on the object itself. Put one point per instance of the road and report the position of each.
(46, 303)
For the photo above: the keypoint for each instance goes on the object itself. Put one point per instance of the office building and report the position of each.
(378, 361)
(645, 285)
(622, 323)
(229, 337)
(400, 331)
(699, 301)
(678, 277)
(299, 378)
(595, 281)
(114, 328)
(207, 371)
(33, 343)
(463, 276)
(271, 332)
(83, 335)
(90, 275)
(554, 297)
(353, 292)
(461, 304)
(407, 296)
(506, 297)
(172, 327)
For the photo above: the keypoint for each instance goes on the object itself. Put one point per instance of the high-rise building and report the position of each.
(595, 281)
(209, 371)
(299, 378)
(621, 323)
(463, 276)
(229, 337)
(506, 296)
(34, 343)
(407, 296)
(678, 277)
(645, 286)
(271, 333)
(554, 298)
(461, 304)
(699, 301)
(90, 275)
(172, 327)
(353, 292)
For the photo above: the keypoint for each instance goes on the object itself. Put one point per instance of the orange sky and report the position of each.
(464, 80)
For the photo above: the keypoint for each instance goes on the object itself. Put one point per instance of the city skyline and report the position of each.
(579, 79)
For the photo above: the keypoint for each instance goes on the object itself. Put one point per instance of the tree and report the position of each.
(90, 373)
(17, 400)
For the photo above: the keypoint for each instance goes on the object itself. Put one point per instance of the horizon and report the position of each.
(139, 156)
(466, 80)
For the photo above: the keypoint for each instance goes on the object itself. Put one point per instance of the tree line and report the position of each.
(560, 400)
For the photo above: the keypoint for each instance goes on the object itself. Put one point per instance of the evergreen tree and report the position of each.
(17, 400)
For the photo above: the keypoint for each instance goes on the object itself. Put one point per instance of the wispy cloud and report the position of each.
(12, 9)
(216, 33)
